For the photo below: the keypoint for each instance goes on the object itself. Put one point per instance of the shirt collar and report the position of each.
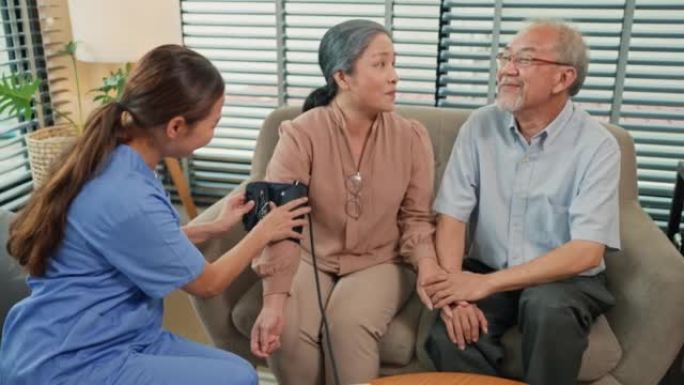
(343, 137)
(550, 132)
(135, 160)
(338, 117)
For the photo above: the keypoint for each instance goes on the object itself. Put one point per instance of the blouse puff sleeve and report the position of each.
(291, 161)
(416, 219)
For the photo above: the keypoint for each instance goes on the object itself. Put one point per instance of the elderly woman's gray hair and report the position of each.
(340, 47)
(570, 47)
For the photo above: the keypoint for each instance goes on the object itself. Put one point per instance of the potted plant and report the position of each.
(112, 85)
(17, 98)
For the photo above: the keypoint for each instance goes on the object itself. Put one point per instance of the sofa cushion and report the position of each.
(397, 346)
(602, 354)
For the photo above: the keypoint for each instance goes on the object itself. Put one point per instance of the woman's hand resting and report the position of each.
(265, 336)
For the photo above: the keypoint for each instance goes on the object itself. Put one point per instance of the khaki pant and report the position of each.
(359, 310)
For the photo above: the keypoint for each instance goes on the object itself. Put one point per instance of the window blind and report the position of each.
(21, 51)
(651, 106)
(240, 38)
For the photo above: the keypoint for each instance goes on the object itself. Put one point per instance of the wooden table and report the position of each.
(441, 378)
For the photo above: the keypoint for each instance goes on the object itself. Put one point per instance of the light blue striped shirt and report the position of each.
(523, 200)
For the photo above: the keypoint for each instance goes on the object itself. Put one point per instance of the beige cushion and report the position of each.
(397, 347)
(602, 354)
(247, 309)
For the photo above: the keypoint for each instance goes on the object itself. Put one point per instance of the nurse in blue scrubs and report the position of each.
(103, 245)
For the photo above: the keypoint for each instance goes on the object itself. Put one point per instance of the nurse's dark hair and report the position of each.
(168, 81)
(340, 47)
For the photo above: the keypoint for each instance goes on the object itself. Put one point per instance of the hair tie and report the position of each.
(126, 117)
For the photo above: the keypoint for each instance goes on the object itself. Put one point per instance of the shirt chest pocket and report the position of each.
(549, 225)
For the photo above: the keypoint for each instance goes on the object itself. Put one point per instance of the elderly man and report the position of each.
(536, 180)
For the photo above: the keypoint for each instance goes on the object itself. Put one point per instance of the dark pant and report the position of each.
(554, 320)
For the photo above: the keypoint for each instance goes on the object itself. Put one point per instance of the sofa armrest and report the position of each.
(215, 313)
(12, 277)
(647, 278)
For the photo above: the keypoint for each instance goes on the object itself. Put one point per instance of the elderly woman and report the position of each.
(370, 173)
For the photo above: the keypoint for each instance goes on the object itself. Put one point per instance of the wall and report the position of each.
(56, 26)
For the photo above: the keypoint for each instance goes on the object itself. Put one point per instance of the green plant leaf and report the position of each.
(16, 92)
(112, 86)
(5, 104)
(69, 49)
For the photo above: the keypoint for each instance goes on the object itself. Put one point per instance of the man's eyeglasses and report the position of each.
(503, 58)
(354, 184)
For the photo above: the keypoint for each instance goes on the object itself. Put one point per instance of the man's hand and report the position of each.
(232, 211)
(427, 269)
(463, 323)
(456, 287)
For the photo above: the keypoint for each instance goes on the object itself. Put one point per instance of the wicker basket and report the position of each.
(44, 146)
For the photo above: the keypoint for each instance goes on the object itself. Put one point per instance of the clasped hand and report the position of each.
(464, 322)
(452, 294)
(450, 288)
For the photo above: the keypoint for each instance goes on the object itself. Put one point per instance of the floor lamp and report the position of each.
(122, 31)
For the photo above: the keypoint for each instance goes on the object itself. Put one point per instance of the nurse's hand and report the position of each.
(265, 336)
(232, 211)
(280, 221)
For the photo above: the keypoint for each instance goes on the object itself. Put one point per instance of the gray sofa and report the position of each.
(633, 344)
(12, 279)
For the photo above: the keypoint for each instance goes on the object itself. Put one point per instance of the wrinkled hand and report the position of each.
(280, 221)
(463, 322)
(459, 286)
(427, 269)
(232, 211)
(265, 336)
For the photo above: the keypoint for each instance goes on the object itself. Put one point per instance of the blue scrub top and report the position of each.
(101, 298)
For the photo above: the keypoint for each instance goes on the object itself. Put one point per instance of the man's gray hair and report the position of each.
(570, 47)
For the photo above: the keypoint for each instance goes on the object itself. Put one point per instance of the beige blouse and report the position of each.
(397, 171)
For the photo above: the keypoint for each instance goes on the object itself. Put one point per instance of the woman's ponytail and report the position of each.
(39, 228)
(321, 96)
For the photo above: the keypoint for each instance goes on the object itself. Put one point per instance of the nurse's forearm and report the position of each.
(198, 233)
(217, 275)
